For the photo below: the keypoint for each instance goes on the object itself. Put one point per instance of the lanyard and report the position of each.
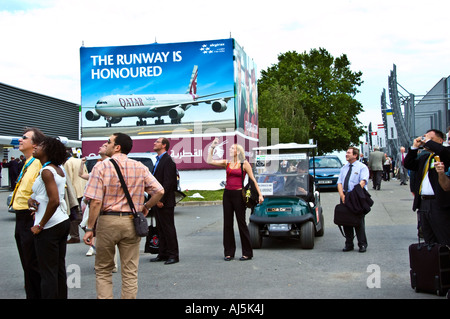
(25, 168)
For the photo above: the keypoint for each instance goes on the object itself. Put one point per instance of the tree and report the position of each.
(325, 88)
(278, 106)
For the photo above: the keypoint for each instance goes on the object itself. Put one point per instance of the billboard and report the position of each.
(188, 92)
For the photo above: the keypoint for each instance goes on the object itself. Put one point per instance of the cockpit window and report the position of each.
(102, 102)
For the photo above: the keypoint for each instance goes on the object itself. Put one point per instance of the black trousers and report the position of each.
(27, 253)
(233, 203)
(360, 235)
(168, 242)
(435, 222)
(51, 247)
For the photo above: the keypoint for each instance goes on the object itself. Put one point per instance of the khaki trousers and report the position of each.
(112, 231)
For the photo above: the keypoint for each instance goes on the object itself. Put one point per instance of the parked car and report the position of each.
(148, 159)
(325, 170)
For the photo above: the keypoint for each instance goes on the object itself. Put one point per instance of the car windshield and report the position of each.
(325, 162)
(282, 174)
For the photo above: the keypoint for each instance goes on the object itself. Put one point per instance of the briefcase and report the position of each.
(430, 268)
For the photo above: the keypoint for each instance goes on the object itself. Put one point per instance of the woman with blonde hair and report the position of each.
(236, 168)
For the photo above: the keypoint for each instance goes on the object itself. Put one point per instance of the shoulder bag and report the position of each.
(140, 222)
(152, 241)
(249, 192)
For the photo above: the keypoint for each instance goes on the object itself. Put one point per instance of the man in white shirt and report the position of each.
(353, 173)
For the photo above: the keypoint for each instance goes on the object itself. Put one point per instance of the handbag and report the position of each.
(249, 192)
(139, 220)
(152, 241)
(343, 216)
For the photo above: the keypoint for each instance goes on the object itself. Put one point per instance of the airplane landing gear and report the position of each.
(159, 121)
(141, 122)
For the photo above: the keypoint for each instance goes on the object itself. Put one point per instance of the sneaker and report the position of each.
(91, 251)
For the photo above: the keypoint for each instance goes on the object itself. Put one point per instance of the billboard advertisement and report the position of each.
(189, 92)
(246, 93)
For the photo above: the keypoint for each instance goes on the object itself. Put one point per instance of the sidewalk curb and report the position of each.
(199, 203)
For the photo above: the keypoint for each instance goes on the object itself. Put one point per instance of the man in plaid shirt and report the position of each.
(115, 219)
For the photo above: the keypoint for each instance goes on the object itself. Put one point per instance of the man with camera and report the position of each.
(429, 198)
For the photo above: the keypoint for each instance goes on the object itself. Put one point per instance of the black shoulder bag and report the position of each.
(249, 192)
(140, 222)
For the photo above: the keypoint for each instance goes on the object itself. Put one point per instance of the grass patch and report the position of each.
(208, 195)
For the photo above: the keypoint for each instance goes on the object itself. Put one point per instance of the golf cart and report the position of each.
(291, 206)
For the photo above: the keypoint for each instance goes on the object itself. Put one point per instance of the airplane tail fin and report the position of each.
(192, 89)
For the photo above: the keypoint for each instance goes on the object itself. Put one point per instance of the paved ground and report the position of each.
(279, 270)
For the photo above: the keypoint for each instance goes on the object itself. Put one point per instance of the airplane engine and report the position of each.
(176, 113)
(219, 106)
(115, 120)
(92, 115)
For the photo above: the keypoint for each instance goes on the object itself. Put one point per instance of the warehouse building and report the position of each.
(21, 108)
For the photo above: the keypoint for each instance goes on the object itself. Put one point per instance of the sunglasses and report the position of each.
(25, 137)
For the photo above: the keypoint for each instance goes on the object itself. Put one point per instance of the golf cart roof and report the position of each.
(285, 146)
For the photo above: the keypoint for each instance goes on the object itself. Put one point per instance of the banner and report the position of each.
(166, 90)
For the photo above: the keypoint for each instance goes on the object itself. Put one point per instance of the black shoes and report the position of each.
(167, 261)
(362, 249)
(243, 258)
(171, 261)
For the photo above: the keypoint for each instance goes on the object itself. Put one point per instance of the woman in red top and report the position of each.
(233, 201)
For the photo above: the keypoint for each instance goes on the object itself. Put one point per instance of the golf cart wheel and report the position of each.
(307, 235)
(255, 235)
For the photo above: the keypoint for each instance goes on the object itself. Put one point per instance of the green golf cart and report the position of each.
(291, 206)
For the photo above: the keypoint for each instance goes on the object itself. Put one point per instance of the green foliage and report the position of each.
(279, 106)
(321, 90)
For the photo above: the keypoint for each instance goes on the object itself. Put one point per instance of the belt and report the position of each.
(109, 212)
(427, 197)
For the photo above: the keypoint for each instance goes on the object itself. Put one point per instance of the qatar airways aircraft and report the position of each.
(114, 107)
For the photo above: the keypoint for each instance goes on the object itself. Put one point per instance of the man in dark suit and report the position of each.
(165, 171)
(430, 199)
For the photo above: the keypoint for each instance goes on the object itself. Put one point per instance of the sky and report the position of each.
(40, 39)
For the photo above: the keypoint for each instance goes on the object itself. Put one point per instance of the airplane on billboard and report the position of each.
(115, 107)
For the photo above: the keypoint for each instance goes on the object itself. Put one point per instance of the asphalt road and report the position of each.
(279, 270)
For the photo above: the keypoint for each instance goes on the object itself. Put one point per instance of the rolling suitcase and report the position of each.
(430, 268)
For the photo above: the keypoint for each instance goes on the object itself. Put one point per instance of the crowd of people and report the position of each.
(54, 195)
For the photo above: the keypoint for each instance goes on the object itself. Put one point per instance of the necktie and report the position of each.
(347, 178)
(156, 164)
